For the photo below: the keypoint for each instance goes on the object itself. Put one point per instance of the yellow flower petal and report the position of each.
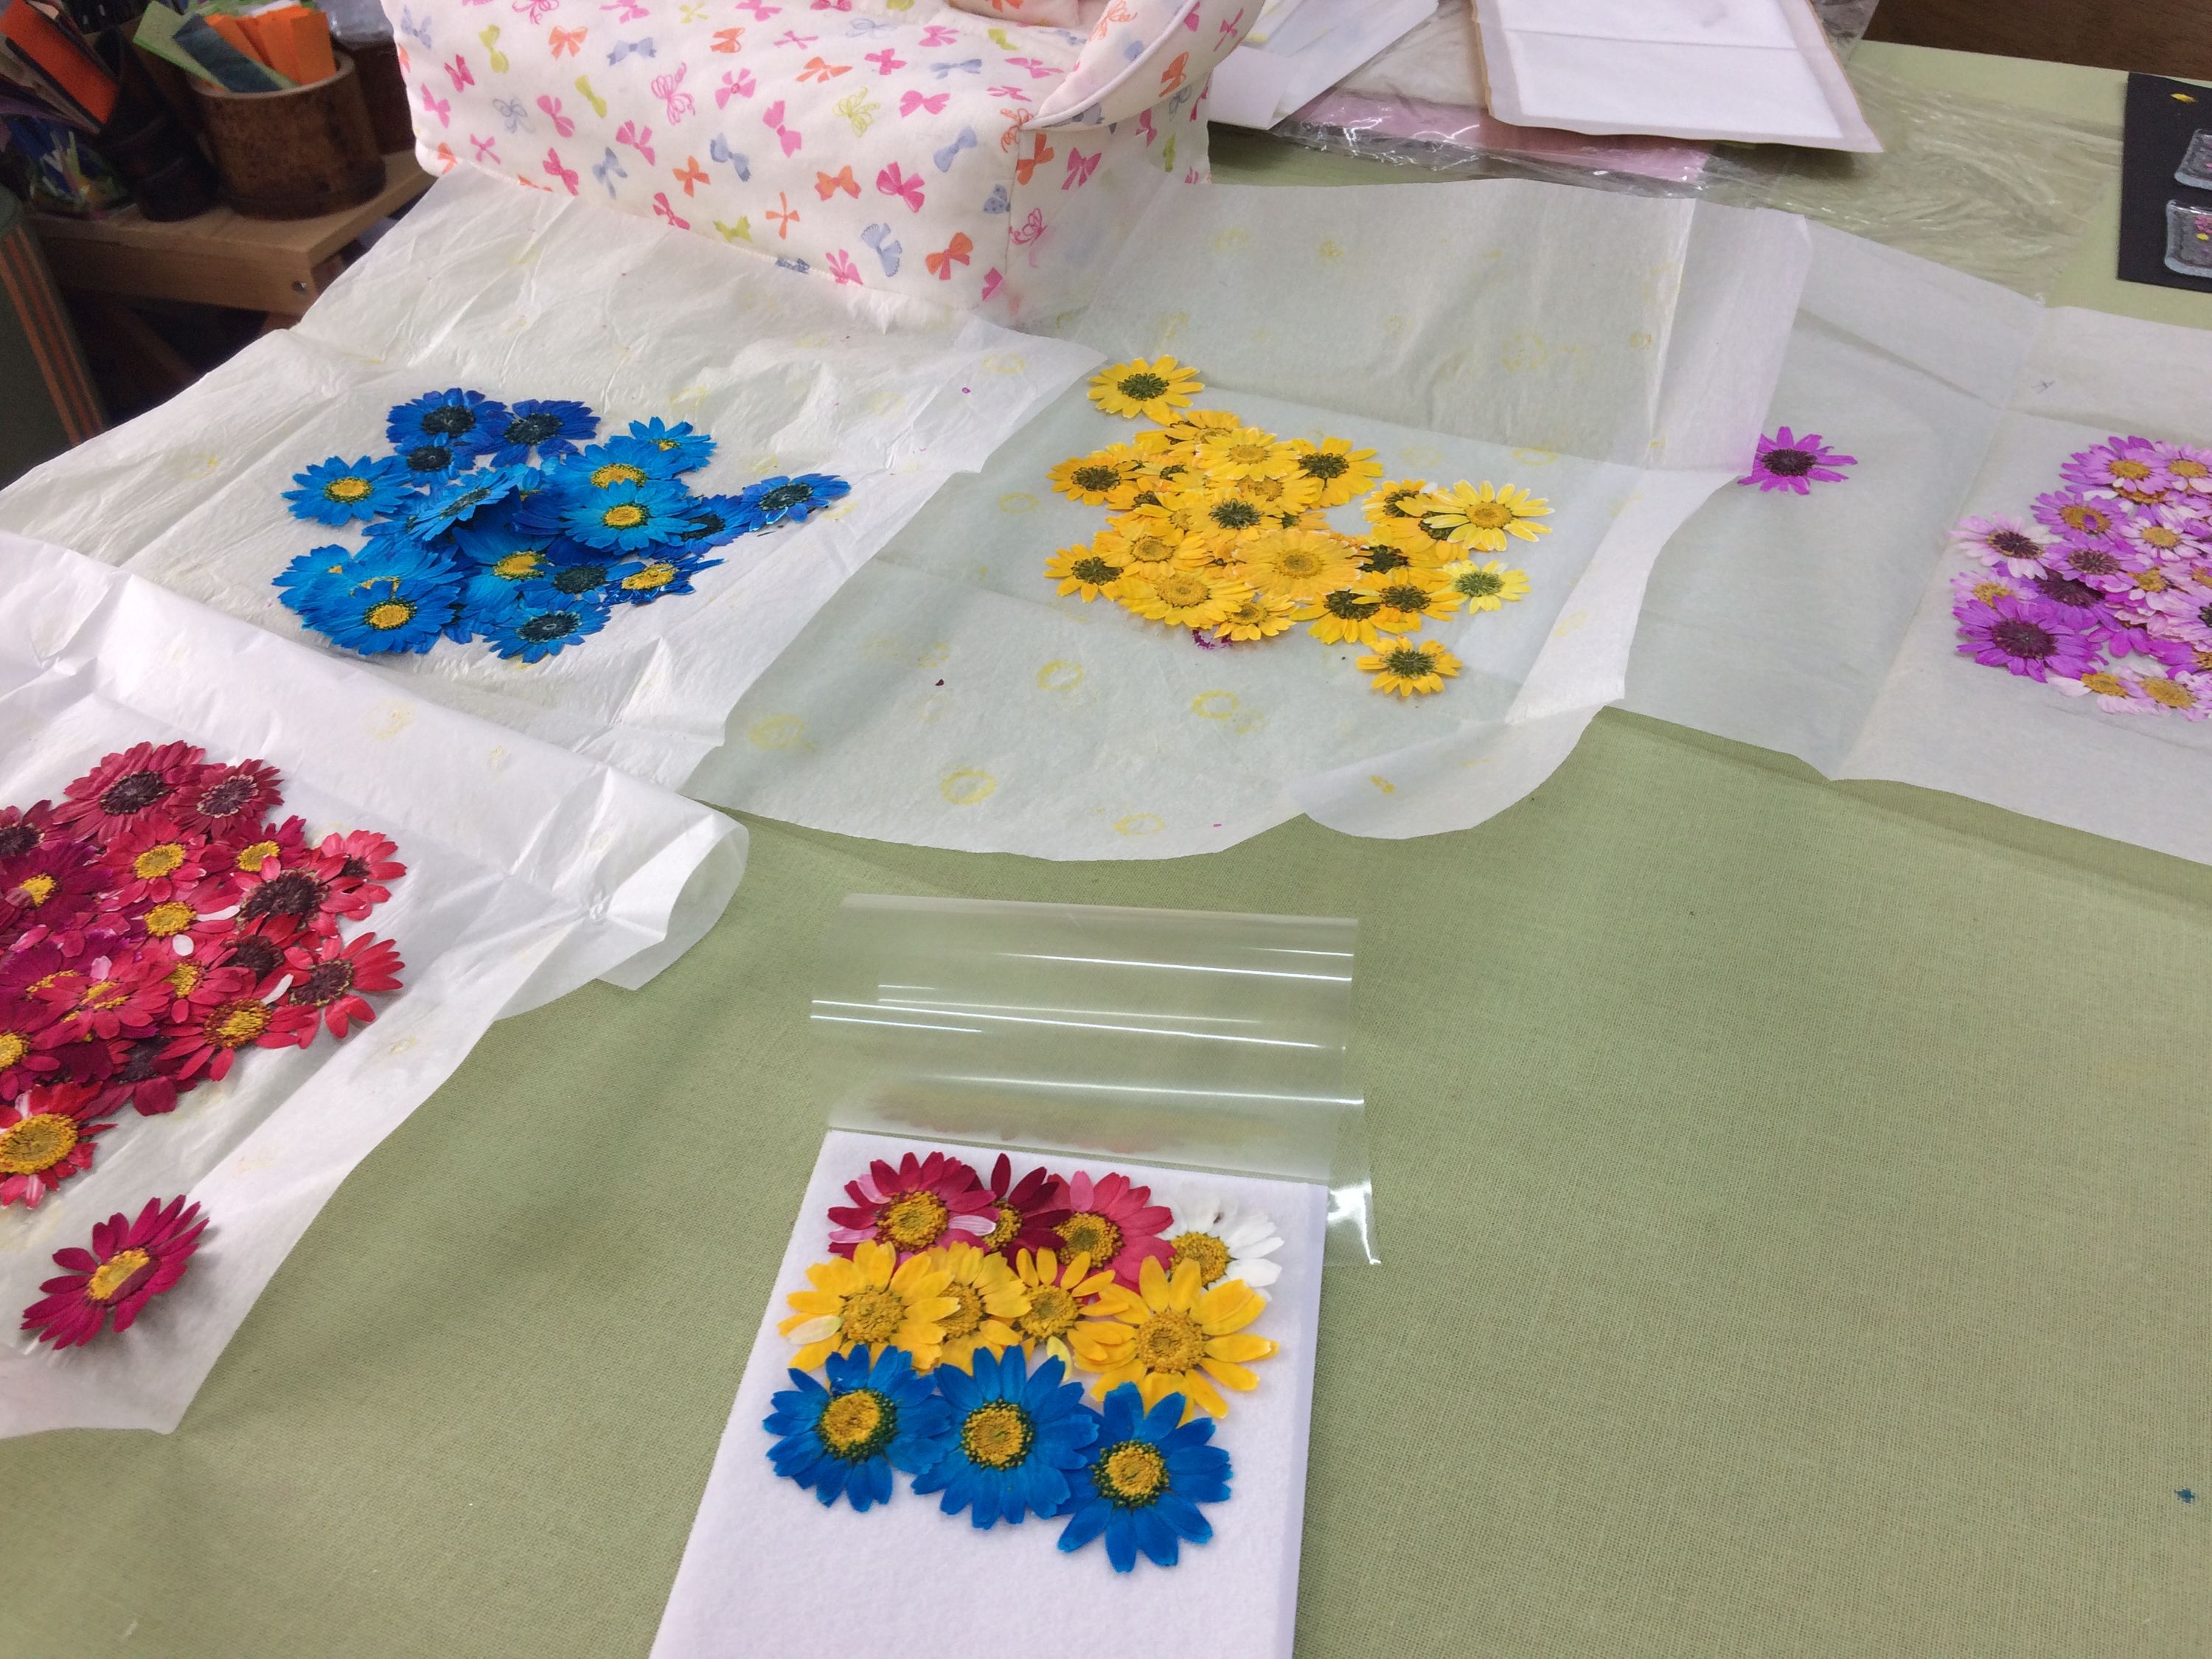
(1236, 1349)
(801, 1327)
(875, 1262)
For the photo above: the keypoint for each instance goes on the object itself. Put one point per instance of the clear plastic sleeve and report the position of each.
(1194, 1039)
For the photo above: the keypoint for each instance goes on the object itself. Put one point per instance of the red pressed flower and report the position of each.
(30, 1030)
(924, 1201)
(46, 1137)
(286, 842)
(329, 977)
(195, 914)
(28, 967)
(130, 1263)
(145, 1077)
(260, 953)
(57, 887)
(366, 857)
(227, 802)
(126, 995)
(157, 859)
(222, 1015)
(25, 828)
(1116, 1225)
(124, 787)
(1027, 1214)
(311, 896)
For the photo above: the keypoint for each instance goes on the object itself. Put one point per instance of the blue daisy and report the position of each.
(455, 419)
(780, 500)
(380, 600)
(427, 461)
(627, 517)
(691, 449)
(1144, 1480)
(460, 498)
(659, 573)
(1015, 1440)
(588, 578)
(338, 490)
(844, 1440)
(534, 635)
(711, 520)
(552, 426)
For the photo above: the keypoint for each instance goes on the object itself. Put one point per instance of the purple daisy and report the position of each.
(2074, 515)
(2108, 564)
(1785, 462)
(2025, 637)
(2002, 543)
(2162, 532)
(2116, 466)
(2116, 693)
(2183, 469)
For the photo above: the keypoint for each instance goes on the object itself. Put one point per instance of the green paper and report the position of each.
(157, 34)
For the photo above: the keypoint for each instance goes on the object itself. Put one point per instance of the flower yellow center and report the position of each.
(1302, 563)
(167, 921)
(1988, 592)
(2170, 694)
(1170, 1341)
(2079, 515)
(2106, 685)
(2151, 581)
(873, 1315)
(1093, 1235)
(1130, 1475)
(853, 1425)
(2159, 535)
(1208, 1251)
(2189, 468)
(623, 515)
(515, 565)
(1003, 1230)
(157, 861)
(111, 1276)
(1491, 515)
(36, 1144)
(659, 573)
(38, 889)
(966, 1319)
(913, 1221)
(1247, 453)
(997, 1436)
(185, 978)
(1250, 614)
(1181, 588)
(103, 993)
(1151, 550)
(616, 472)
(389, 614)
(2129, 469)
(346, 490)
(13, 1045)
(1053, 1312)
(664, 443)
(236, 1023)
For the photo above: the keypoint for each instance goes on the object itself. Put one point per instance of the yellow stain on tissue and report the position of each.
(692, 397)
(1140, 824)
(1169, 324)
(1005, 362)
(1060, 675)
(886, 402)
(1330, 249)
(1234, 237)
(598, 104)
(935, 656)
(1383, 783)
(1573, 623)
(967, 788)
(1214, 705)
(779, 731)
(497, 760)
(999, 39)
(1660, 282)
(1421, 455)
(496, 58)
(190, 468)
(692, 13)
(1536, 457)
(1017, 500)
(1640, 340)
(406, 1045)
(398, 717)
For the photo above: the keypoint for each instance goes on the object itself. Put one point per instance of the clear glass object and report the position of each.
(2196, 168)
(2189, 239)
(1195, 1039)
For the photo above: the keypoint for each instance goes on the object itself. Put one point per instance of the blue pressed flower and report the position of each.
(459, 499)
(628, 517)
(454, 419)
(337, 491)
(627, 458)
(550, 426)
(659, 573)
(1143, 1480)
(780, 500)
(1015, 1439)
(384, 598)
(711, 520)
(427, 461)
(533, 634)
(311, 572)
(586, 577)
(691, 449)
(496, 532)
(845, 1440)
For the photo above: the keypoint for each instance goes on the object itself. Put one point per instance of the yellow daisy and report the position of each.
(1154, 389)
(1246, 453)
(1220, 519)
(1195, 426)
(1477, 515)
(1343, 616)
(1181, 599)
(1342, 472)
(1485, 586)
(1171, 1336)
(1177, 512)
(1261, 617)
(1379, 557)
(1388, 501)
(1410, 667)
(1407, 596)
(1063, 1296)
(1424, 541)
(988, 1295)
(875, 1299)
(1085, 569)
(1106, 478)
(1298, 564)
(1279, 496)
(1151, 546)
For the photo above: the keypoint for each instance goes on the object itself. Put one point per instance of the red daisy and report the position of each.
(57, 888)
(25, 829)
(331, 975)
(312, 895)
(220, 1015)
(260, 953)
(46, 1137)
(367, 858)
(193, 915)
(146, 1076)
(286, 842)
(1117, 1225)
(128, 1264)
(30, 1030)
(227, 802)
(156, 858)
(124, 787)
(924, 1201)
(125, 995)
(1028, 1213)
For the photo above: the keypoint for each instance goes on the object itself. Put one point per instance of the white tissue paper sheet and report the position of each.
(1821, 625)
(1310, 50)
(1755, 71)
(767, 1570)
(529, 873)
(525, 294)
(1610, 353)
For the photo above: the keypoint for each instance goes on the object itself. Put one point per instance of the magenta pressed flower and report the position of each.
(130, 1263)
(2026, 636)
(2002, 543)
(2076, 516)
(920, 1203)
(1787, 462)
(2115, 693)
(2116, 466)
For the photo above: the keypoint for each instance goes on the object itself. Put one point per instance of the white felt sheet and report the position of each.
(769, 1570)
(529, 872)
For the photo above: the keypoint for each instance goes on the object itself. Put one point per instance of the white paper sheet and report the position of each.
(1822, 627)
(988, 714)
(1757, 71)
(522, 294)
(769, 1570)
(1322, 43)
(529, 872)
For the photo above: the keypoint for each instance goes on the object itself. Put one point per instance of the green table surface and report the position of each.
(1793, 1198)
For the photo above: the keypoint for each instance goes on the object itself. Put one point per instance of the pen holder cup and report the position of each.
(294, 154)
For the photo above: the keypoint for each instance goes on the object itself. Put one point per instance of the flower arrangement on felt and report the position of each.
(516, 525)
(158, 924)
(1043, 1344)
(2105, 590)
(1223, 529)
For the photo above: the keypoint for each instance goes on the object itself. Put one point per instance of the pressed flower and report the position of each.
(1785, 462)
(226, 801)
(1343, 472)
(1219, 522)
(2162, 532)
(1403, 498)
(1063, 1292)
(2003, 544)
(286, 842)
(2086, 605)
(1246, 453)
(1179, 598)
(146, 1078)
(1106, 478)
(690, 448)
(221, 1016)
(548, 426)
(119, 996)
(792, 500)
(871, 1299)
(1486, 585)
(2182, 468)
(2025, 636)
(427, 462)
(46, 1136)
(608, 466)
(309, 896)
(1113, 1222)
(260, 949)
(2108, 564)
(628, 517)
(843, 1441)
(1404, 598)
(1153, 387)
(332, 979)
(56, 887)
(1147, 1473)
(458, 499)
(1409, 668)
(1014, 1437)
(1378, 558)
(153, 859)
(919, 1203)
(27, 828)
(987, 1294)
(2188, 695)
(1085, 569)
(2111, 467)
(1142, 545)
(338, 491)
(131, 1263)
(1173, 1335)
(588, 580)
(2077, 516)
(660, 575)
(2115, 693)
(1226, 1240)
(366, 857)
(1023, 1213)
(387, 598)
(1298, 564)
(1189, 428)
(126, 787)
(1343, 616)
(1482, 516)
(1261, 617)
(456, 418)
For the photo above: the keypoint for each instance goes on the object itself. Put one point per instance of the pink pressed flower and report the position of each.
(2074, 515)
(2184, 613)
(30, 1030)
(228, 801)
(286, 842)
(310, 896)
(126, 995)
(922, 1203)
(1116, 1225)
(1026, 1213)
(130, 1263)
(124, 787)
(366, 858)
(2024, 636)
(2114, 467)
(146, 1078)
(156, 858)
(1785, 462)
(331, 977)
(57, 888)
(2109, 565)
(220, 1015)
(46, 1137)
(2162, 532)
(2116, 693)
(1969, 585)
(2188, 696)
(2002, 543)
(25, 828)
(2183, 469)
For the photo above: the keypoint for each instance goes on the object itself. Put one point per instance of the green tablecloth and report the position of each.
(1793, 1198)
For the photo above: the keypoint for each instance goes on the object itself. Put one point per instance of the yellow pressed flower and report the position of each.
(1154, 388)
(1278, 495)
(1344, 616)
(1219, 519)
(1146, 546)
(1424, 541)
(1388, 501)
(1378, 557)
(1085, 569)
(1298, 564)
(1485, 586)
(1063, 1296)
(1170, 1336)
(1410, 667)
(1261, 617)
(1181, 597)
(988, 1295)
(1342, 472)
(1478, 515)
(1176, 512)
(1406, 597)
(1246, 453)
(1106, 478)
(872, 1298)
(1195, 426)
